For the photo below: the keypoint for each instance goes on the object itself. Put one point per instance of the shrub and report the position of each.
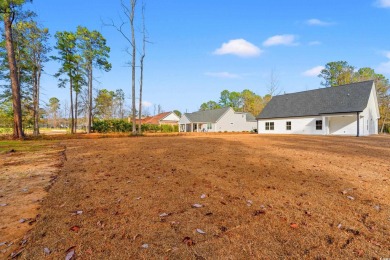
(121, 126)
(111, 126)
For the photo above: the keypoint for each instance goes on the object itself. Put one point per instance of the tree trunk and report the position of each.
(36, 81)
(383, 123)
(140, 94)
(134, 130)
(75, 111)
(89, 123)
(16, 97)
(71, 106)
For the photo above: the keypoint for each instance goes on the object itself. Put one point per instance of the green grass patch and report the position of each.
(25, 146)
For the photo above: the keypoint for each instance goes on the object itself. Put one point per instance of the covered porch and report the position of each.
(344, 124)
(194, 127)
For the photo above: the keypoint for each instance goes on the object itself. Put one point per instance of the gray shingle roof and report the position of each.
(250, 117)
(342, 99)
(208, 116)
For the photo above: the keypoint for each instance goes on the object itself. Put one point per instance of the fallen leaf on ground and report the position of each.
(359, 252)
(70, 253)
(17, 253)
(200, 231)
(188, 241)
(75, 228)
(47, 251)
(294, 225)
(136, 236)
(258, 212)
(77, 212)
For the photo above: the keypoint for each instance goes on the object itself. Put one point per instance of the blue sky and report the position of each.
(201, 47)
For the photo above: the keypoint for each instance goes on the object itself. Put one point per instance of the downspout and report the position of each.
(358, 123)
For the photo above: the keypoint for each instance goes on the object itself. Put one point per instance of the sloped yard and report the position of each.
(258, 196)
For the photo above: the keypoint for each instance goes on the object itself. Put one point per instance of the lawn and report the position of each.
(211, 196)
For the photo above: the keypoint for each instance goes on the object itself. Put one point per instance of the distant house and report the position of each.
(166, 118)
(344, 110)
(217, 120)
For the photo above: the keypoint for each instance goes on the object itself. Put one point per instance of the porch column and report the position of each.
(357, 120)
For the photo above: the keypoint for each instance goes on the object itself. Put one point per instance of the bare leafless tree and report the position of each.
(143, 54)
(273, 84)
(129, 12)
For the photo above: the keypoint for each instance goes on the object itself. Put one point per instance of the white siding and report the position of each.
(370, 115)
(299, 125)
(343, 125)
(232, 121)
(171, 117)
(184, 120)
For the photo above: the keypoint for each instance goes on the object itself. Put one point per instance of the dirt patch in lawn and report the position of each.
(208, 197)
(27, 170)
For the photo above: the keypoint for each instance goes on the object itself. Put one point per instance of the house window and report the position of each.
(288, 125)
(318, 124)
(269, 125)
(209, 126)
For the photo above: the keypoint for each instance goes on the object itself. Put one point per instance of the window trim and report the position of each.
(269, 126)
(288, 125)
(319, 125)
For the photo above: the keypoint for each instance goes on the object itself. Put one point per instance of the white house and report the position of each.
(217, 120)
(343, 110)
(165, 118)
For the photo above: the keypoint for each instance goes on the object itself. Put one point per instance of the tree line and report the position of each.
(245, 101)
(25, 49)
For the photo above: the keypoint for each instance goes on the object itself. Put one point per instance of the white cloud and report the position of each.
(147, 104)
(315, 43)
(317, 22)
(383, 3)
(313, 72)
(384, 67)
(239, 47)
(225, 75)
(285, 39)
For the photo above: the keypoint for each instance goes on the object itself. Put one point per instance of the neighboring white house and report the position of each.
(165, 118)
(343, 110)
(217, 120)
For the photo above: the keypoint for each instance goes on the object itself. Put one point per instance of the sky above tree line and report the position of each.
(200, 47)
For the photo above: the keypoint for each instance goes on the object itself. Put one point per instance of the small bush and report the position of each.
(121, 126)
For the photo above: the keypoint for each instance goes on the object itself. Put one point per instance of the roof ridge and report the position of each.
(325, 88)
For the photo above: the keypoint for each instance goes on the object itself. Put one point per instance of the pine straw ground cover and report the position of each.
(265, 197)
(27, 170)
